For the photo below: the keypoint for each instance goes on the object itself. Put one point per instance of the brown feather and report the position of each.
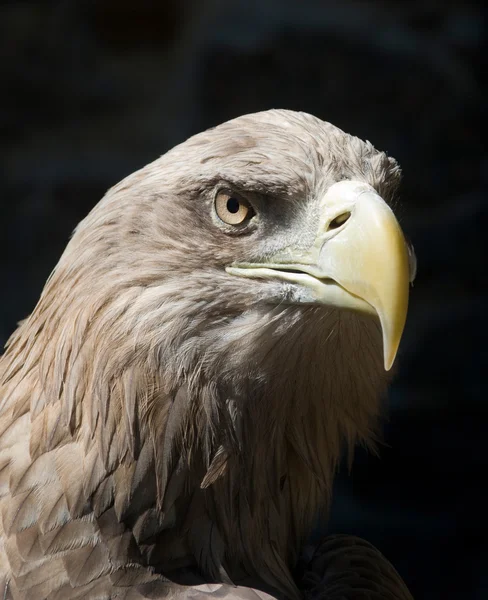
(86, 564)
(28, 544)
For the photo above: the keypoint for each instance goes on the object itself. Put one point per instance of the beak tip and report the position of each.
(390, 350)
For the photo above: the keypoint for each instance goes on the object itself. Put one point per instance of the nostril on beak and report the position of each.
(338, 221)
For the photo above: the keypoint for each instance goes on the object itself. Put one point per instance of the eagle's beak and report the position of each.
(367, 255)
(359, 261)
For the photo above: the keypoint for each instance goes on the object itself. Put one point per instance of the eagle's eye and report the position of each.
(232, 209)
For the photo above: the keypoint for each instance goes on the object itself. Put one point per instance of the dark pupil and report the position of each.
(233, 205)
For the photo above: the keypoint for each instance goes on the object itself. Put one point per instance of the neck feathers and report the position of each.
(230, 433)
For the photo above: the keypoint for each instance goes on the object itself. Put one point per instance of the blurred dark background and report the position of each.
(93, 90)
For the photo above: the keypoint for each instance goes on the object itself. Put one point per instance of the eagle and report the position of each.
(217, 335)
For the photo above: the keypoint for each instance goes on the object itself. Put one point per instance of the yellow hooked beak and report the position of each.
(359, 261)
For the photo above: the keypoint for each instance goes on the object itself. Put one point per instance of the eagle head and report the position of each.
(220, 327)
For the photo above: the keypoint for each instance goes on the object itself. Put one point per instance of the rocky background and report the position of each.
(93, 90)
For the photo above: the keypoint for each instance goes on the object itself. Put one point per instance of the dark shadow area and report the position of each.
(94, 90)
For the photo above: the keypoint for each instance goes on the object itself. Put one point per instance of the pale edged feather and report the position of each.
(217, 467)
(20, 512)
(69, 469)
(151, 522)
(54, 510)
(18, 565)
(103, 498)
(133, 575)
(44, 579)
(28, 544)
(94, 471)
(48, 431)
(74, 534)
(27, 473)
(87, 564)
(12, 431)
